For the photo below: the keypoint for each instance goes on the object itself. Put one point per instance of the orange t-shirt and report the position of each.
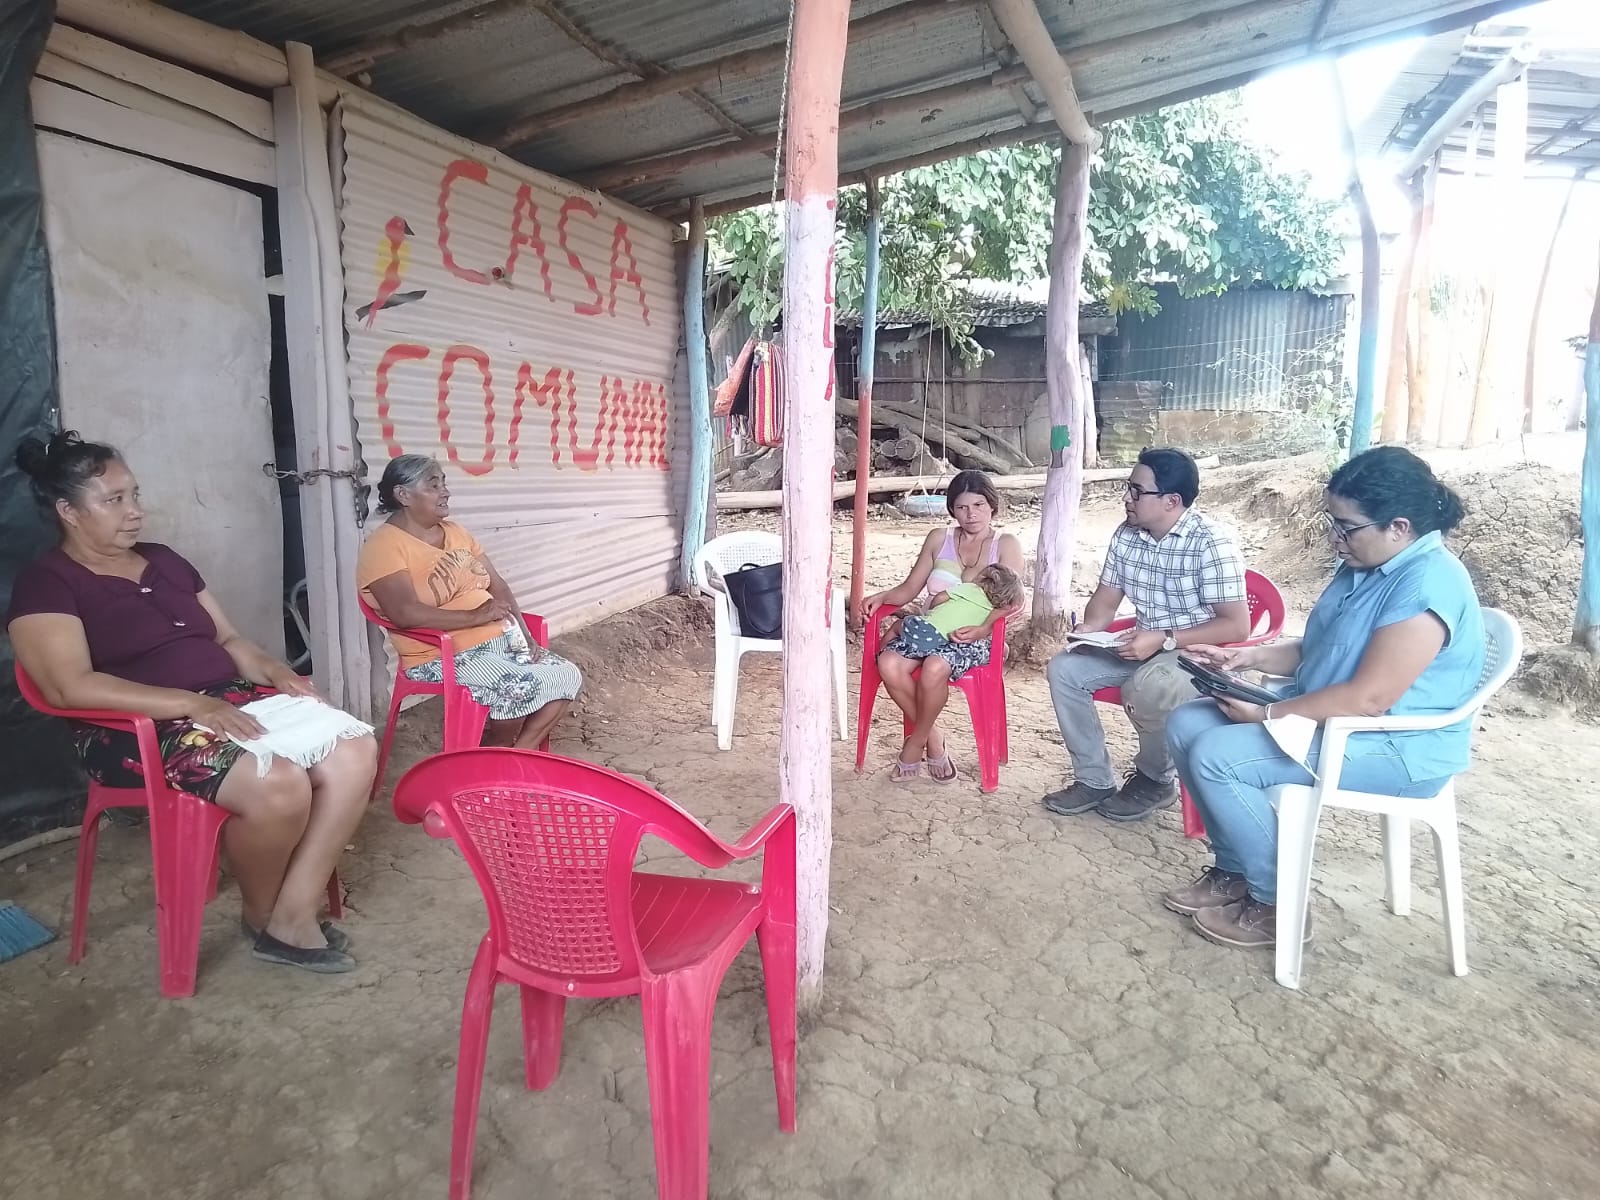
(450, 576)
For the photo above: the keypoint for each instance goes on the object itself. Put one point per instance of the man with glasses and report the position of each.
(1185, 578)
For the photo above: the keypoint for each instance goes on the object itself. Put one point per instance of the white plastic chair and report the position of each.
(719, 557)
(1300, 807)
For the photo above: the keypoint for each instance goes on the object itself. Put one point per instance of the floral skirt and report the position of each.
(510, 680)
(194, 760)
(962, 656)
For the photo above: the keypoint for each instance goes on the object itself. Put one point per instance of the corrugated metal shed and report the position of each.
(1563, 94)
(1245, 349)
(481, 68)
(525, 333)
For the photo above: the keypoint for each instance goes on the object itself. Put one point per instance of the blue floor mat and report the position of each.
(19, 932)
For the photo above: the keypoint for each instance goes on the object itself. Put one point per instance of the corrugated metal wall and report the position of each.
(525, 332)
(1239, 350)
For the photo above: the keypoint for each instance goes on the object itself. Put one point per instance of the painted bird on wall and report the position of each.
(393, 255)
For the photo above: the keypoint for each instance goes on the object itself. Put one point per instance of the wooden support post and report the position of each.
(319, 387)
(869, 353)
(1491, 401)
(1371, 281)
(1586, 626)
(811, 167)
(1530, 367)
(1052, 586)
(1455, 400)
(1396, 407)
(697, 521)
(1422, 417)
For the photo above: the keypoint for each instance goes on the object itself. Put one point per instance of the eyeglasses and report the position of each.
(1135, 492)
(1341, 533)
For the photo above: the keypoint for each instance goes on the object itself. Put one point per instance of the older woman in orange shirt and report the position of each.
(421, 570)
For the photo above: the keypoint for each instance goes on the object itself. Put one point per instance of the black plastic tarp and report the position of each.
(40, 786)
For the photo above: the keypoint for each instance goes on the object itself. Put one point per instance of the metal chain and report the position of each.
(778, 147)
(271, 471)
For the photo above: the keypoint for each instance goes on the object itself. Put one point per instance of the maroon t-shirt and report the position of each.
(153, 632)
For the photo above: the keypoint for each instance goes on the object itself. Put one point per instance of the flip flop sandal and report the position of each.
(904, 772)
(935, 764)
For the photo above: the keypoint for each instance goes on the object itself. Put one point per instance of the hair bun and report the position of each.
(33, 457)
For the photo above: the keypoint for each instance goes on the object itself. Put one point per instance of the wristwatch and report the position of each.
(1170, 642)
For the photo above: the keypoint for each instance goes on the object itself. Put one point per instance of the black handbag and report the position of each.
(757, 595)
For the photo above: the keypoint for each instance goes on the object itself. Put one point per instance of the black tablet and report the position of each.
(1209, 682)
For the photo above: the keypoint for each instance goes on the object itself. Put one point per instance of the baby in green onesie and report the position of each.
(964, 605)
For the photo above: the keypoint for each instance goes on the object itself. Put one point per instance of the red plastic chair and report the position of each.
(984, 687)
(1266, 606)
(184, 842)
(552, 843)
(464, 718)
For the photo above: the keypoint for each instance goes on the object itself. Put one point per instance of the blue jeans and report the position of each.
(1228, 769)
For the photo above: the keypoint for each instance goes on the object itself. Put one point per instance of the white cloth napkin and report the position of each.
(1294, 735)
(300, 728)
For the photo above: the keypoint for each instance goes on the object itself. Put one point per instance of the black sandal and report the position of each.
(338, 939)
(323, 960)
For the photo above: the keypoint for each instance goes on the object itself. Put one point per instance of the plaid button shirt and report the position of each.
(1177, 582)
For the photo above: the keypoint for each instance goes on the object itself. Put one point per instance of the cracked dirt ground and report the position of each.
(1008, 1010)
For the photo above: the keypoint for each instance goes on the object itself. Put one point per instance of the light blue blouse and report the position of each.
(1424, 577)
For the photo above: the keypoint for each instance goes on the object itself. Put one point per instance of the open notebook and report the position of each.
(302, 729)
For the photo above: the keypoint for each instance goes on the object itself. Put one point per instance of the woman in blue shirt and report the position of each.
(1398, 631)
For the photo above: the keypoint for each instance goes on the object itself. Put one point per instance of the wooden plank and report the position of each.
(249, 113)
(68, 111)
(888, 485)
(131, 96)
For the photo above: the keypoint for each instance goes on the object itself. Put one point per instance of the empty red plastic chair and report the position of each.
(1266, 622)
(984, 688)
(552, 843)
(184, 832)
(464, 717)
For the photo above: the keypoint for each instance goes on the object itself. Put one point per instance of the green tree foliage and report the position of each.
(1181, 195)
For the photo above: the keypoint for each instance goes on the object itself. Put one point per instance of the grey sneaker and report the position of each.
(1138, 798)
(1213, 889)
(1079, 798)
(1245, 924)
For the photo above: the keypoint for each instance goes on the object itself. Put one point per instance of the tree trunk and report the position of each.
(1371, 282)
(811, 167)
(1091, 425)
(1052, 580)
(1504, 327)
(1586, 626)
(1396, 404)
(1422, 420)
(1530, 368)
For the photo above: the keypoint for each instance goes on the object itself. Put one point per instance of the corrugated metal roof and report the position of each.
(1563, 95)
(995, 304)
(1249, 348)
(516, 62)
(543, 382)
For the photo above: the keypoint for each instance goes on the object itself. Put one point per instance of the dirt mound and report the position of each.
(1522, 543)
(630, 643)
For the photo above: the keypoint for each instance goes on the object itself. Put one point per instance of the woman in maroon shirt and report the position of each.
(107, 621)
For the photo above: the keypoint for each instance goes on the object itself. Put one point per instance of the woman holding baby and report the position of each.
(950, 557)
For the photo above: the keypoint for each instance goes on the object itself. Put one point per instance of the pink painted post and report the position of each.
(811, 174)
(1063, 489)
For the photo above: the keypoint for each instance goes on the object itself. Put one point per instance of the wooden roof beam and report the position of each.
(665, 166)
(729, 66)
(353, 59)
(1026, 30)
